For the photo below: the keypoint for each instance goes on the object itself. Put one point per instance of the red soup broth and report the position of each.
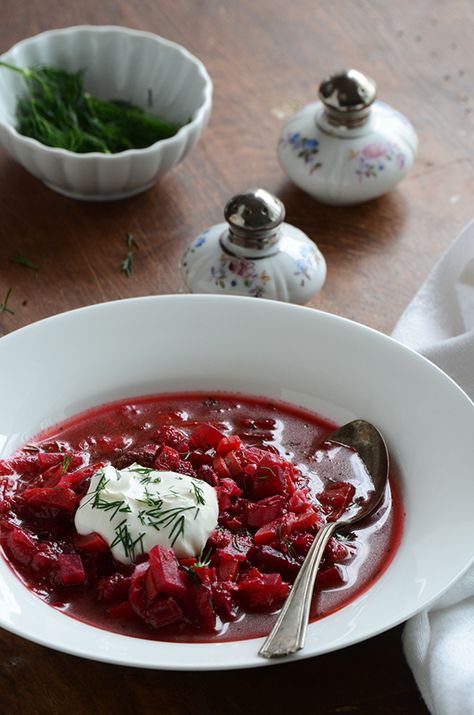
(251, 566)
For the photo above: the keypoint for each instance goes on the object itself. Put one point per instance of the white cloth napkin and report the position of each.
(439, 323)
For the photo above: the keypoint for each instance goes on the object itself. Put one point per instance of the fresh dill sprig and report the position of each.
(4, 307)
(65, 463)
(56, 111)
(204, 558)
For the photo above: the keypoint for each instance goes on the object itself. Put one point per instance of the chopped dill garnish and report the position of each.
(198, 492)
(123, 536)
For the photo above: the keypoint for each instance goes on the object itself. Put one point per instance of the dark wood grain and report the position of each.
(266, 59)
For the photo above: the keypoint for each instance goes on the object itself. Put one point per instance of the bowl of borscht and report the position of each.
(164, 471)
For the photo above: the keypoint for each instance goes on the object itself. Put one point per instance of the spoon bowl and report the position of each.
(288, 634)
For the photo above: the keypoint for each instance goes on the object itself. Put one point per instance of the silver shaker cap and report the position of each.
(347, 97)
(254, 217)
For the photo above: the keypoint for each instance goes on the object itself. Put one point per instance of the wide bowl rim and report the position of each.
(228, 655)
(199, 118)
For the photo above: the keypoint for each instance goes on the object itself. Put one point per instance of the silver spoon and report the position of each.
(288, 634)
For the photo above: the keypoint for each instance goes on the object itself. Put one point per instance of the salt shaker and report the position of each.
(255, 253)
(348, 147)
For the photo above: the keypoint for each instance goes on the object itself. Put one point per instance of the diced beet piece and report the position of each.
(207, 474)
(299, 501)
(185, 467)
(252, 455)
(50, 477)
(331, 577)
(207, 574)
(72, 480)
(144, 456)
(199, 607)
(49, 459)
(262, 590)
(113, 588)
(271, 531)
(167, 459)
(21, 545)
(163, 612)
(227, 569)
(301, 542)
(238, 548)
(231, 522)
(228, 444)
(164, 575)
(205, 436)
(227, 491)
(220, 467)
(269, 478)
(278, 561)
(93, 542)
(198, 458)
(336, 551)
(219, 538)
(223, 600)
(233, 464)
(70, 570)
(121, 610)
(61, 498)
(259, 513)
(172, 437)
(25, 464)
(5, 468)
(335, 499)
(45, 561)
(303, 521)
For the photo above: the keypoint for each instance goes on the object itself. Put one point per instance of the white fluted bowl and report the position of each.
(120, 63)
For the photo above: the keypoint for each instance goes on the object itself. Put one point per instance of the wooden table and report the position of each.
(266, 58)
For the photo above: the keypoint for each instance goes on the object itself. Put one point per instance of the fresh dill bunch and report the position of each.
(58, 112)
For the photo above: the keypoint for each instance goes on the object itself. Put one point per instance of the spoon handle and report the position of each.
(288, 634)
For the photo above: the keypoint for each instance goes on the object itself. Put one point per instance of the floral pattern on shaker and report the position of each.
(197, 243)
(305, 148)
(232, 271)
(372, 159)
(304, 264)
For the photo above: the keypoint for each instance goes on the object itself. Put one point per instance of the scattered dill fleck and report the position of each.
(131, 241)
(267, 469)
(126, 264)
(22, 261)
(4, 307)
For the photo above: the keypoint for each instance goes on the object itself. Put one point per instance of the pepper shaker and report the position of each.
(347, 148)
(255, 253)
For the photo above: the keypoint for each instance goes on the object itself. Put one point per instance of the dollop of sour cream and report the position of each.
(136, 508)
